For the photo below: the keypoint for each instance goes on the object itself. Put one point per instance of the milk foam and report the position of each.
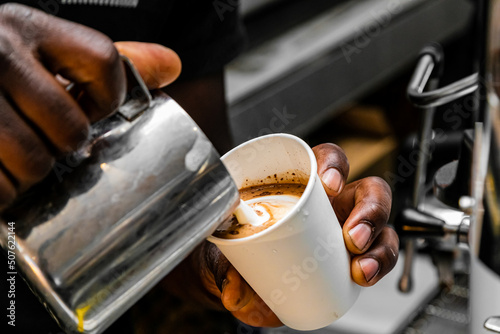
(272, 207)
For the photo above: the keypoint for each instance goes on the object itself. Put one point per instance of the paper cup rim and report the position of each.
(297, 207)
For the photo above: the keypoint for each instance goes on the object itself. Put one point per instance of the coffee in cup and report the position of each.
(298, 265)
(271, 202)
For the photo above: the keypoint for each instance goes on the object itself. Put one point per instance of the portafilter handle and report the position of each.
(413, 223)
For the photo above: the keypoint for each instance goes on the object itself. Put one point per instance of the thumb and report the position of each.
(333, 167)
(157, 65)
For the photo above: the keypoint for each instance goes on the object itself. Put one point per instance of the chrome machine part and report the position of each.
(430, 58)
(447, 227)
(418, 83)
(445, 222)
(485, 214)
(482, 205)
(428, 68)
(492, 324)
(112, 220)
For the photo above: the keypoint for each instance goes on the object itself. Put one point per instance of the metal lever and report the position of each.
(431, 57)
(138, 97)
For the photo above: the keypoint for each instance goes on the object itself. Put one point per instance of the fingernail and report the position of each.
(360, 234)
(332, 179)
(370, 267)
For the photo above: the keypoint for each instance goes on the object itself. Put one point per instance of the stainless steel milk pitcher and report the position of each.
(114, 218)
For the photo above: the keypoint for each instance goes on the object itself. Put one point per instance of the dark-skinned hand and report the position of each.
(362, 208)
(39, 119)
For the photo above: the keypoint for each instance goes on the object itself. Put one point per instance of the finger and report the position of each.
(256, 313)
(363, 208)
(369, 268)
(157, 65)
(22, 153)
(236, 293)
(47, 106)
(86, 57)
(333, 167)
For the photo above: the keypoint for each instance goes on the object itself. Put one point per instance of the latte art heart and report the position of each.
(270, 204)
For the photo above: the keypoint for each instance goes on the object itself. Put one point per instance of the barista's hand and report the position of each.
(362, 208)
(39, 119)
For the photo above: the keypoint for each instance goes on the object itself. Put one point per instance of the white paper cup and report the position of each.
(299, 266)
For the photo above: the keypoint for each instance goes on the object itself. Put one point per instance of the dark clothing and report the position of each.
(205, 35)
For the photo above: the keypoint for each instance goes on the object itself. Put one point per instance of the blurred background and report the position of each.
(337, 71)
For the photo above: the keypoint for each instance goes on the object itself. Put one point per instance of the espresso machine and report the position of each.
(462, 205)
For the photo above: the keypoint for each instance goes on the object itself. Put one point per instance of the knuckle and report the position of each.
(384, 185)
(105, 54)
(21, 17)
(19, 28)
(378, 181)
(332, 155)
(75, 136)
(329, 147)
(70, 127)
(13, 11)
(377, 213)
(339, 151)
(7, 57)
(109, 76)
(383, 190)
(376, 207)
